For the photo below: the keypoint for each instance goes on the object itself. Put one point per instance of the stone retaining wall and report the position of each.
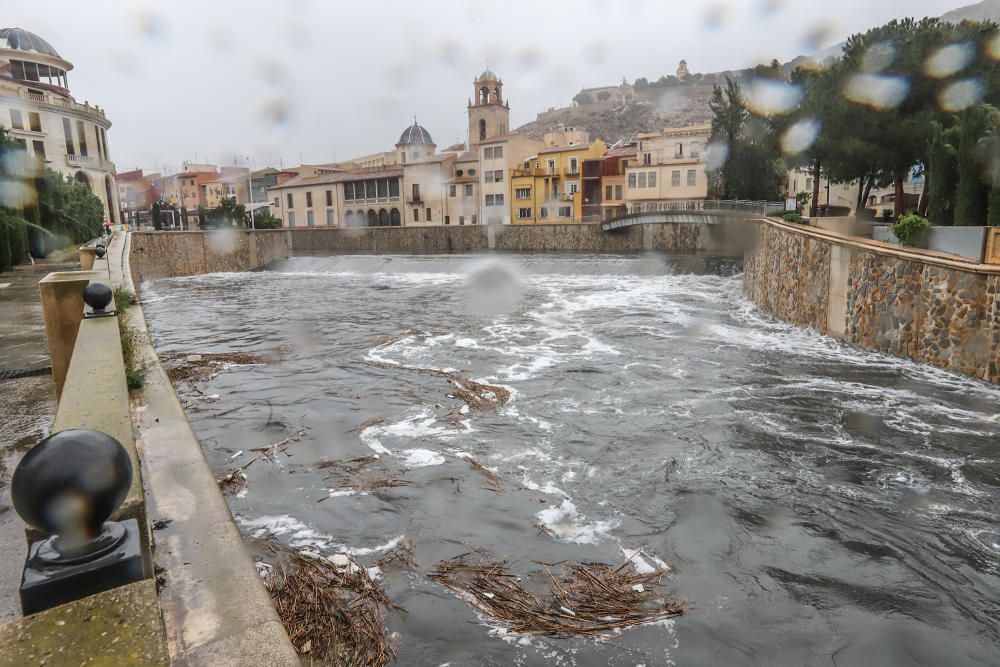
(905, 303)
(166, 254)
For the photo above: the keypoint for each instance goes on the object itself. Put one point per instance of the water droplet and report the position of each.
(948, 60)
(769, 96)
(961, 94)
(878, 91)
(493, 287)
(275, 111)
(16, 194)
(715, 15)
(716, 153)
(878, 56)
(800, 136)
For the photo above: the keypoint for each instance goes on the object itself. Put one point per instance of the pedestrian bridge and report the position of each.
(706, 211)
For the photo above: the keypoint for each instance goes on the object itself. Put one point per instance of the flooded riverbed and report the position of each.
(819, 504)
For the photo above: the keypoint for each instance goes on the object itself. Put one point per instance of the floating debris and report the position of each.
(587, 599)
(362, 474)
(333, 611)
(194, 369)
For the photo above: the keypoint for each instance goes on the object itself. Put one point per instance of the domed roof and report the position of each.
(415, 134)
(487, 74)
(22, 40)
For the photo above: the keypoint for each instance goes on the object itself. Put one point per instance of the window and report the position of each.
(498, 176)
(522, 193)
(416, 192)
(499, 200)
(652, 179)
(498, 152)
(277, 202)
(382, 188)
(461, 219)
(428, 215)
(474, 219)
(618, 192)
(310, 219)
(482, 129)
(329, 197)
(394, 188)
(488, 176)
(39, 147)
(624, 164)
(291, 218)
(555, 190)
(16, 120)
(607, 192)
(675, 177)
(692, 175)
(104, 140)
(565, 211)
(83, 138)
(468, 189)
(35, 121)
(416, 215)
(447, 219)
(68, 131)
(523, 213)
(543, 212)
(678, 150)
(329, 217)
(489, 200)
(574, 165)
(451, 190)
(809, 184)
(472, 172)
(695, 150)
(488, 153)
(309, 200)
(631, 180)
(573, 188)
(291, 201)
(647, 158)
(550, 166)
(642, 179)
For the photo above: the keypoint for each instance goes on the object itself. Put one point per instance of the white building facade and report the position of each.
(37, 107)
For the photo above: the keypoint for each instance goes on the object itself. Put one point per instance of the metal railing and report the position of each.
(50, 99)
(651, 212)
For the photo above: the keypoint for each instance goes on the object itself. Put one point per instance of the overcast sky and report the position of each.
(313, 81)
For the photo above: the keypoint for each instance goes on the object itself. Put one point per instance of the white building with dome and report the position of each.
(37, 107)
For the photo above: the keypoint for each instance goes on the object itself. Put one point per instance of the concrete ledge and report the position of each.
(215, 608)
(117, 627)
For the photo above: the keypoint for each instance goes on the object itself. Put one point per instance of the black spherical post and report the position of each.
(101, 252)
(98, 296)
(68, 486)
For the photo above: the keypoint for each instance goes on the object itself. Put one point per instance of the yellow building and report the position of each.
(547, 187)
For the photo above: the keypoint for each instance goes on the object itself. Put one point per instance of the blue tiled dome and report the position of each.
(415, 134)
(22, 40)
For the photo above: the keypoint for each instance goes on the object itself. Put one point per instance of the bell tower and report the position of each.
(489, 114)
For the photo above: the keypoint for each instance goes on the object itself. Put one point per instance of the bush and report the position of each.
(135, 373)
(123, 299)
(792, 216)
(910, 228)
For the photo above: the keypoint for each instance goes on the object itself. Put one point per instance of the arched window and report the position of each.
(372, 218)
(394, 217)
(496, 94)
(349, 219)
(383, 218)
(484, 95)
(482, 129)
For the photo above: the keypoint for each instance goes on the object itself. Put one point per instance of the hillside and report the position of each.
(667, 102)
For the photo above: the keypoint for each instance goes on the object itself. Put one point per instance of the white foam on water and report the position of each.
(544, 488)
(566, 523)
(367, 551)
(420, 458)
(299, 535)
(345, 492)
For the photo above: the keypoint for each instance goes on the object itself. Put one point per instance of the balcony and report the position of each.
(81, 160)
(536, 172)
(49, 99)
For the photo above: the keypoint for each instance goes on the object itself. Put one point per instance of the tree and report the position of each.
(972, 189)
(603, 96)
(583, 98)
(750, 169)
(640, 84)
(942, 159)
(228, 213)
(157, 221)
(265, 220)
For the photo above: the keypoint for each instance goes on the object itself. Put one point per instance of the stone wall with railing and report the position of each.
(907, 303)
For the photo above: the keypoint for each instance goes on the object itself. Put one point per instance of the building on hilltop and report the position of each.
(37, 107)
(682, 70)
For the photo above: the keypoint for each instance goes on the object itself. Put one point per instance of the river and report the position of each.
(819, 504)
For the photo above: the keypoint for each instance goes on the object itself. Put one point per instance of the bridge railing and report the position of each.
(649, 211)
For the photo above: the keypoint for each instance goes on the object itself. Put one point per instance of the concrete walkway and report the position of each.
(215, 607)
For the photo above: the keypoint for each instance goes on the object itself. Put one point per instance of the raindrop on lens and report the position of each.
(800, 136)
(961, 94)
(768, 96)
(948, 60)
(716, 153)
(878, 56)
(878, 91)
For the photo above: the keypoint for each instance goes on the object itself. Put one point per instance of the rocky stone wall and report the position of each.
(788, 275)
(911, 306)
